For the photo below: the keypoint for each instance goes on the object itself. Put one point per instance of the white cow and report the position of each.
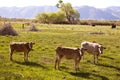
(93, 48)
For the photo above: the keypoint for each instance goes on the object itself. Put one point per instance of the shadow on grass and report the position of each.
(107, 57)
(33, 64)
(87, 75)
(63, 67)
(117, 68)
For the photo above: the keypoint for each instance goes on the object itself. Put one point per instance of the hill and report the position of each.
(110, 13)
(86, 12)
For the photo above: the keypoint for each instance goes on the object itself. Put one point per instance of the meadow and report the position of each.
(42, 58)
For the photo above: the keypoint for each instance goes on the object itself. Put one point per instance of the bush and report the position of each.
(53, 17)
(7, 29)
(32, 28)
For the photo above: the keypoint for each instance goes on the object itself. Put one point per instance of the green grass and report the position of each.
(41, 59)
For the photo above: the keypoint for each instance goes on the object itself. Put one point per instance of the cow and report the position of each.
(25, 47)
(113, 26)
(68, 53)
(93, 48)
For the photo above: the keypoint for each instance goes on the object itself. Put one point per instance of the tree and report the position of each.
(66, 14)
(71, 14)
(53, 17)
(60, 17)
(75, 16)
(43, 17)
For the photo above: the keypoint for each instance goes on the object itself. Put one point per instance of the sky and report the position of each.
(93, 3)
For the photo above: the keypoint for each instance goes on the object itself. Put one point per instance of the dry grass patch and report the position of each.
(7, 29)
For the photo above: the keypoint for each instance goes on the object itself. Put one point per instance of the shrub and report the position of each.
(53, 17)
(32, 28)
(7, 29)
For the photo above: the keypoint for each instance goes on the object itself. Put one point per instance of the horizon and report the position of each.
(92, 3)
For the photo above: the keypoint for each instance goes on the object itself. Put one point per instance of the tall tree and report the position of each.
(71, 14)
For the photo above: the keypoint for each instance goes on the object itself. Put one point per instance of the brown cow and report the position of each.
(69, 53)
(25, 47)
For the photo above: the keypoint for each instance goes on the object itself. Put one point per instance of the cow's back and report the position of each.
(90, 47)
(19, 46)
(67, 52)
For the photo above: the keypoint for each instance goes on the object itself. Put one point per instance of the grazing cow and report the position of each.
(69, 53)
(21, 47)
(93, 48)
(93, 25)
(113, 26)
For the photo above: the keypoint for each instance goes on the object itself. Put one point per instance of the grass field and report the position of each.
(41, 59)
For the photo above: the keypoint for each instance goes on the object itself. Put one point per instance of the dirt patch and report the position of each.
(97, 33)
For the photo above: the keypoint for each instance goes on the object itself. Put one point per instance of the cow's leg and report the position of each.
(59, 60)
(97, 57)
(25, 56)
(11, 53)
(75, 65)
(77, 60)
(94, 58)
(56, 62)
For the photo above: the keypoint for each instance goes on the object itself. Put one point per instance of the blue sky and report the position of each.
(94, 3)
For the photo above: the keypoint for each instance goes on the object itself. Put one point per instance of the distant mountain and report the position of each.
(115, 11)
(110, 13)
(86, 12)
(25, 12)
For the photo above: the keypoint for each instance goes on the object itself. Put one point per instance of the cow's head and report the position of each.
(100, 49)
(30, 44)
(81, 51)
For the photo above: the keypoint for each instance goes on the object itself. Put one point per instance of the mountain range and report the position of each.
(86, 12)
